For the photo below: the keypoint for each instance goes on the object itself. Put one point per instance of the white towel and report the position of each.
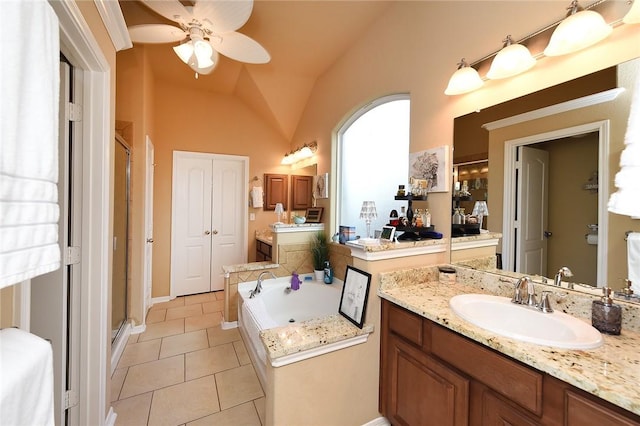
(26, 387)
(29, 85)
(633, 260)
(256, 197)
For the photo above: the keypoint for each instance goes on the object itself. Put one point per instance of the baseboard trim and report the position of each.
(380, 421)
(138, 329)
(161, 299)
(226, 325)
(111, 417)
(118, 347)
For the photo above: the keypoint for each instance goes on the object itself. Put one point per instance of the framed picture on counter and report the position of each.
(353, 302)
(314, 214)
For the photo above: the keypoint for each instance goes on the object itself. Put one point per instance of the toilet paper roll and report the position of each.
(592, 239)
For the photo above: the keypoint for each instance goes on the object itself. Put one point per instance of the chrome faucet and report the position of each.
(517, 295)
(258, 288)
(563, 272)
(543, 306)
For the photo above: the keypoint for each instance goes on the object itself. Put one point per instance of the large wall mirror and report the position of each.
(574, 151)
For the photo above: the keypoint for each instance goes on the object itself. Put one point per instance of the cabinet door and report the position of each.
(496, 412)
(422, 390)
(275, 190)
(585, 411)
(301, 191)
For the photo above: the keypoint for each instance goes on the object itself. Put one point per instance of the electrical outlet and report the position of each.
(252, 216)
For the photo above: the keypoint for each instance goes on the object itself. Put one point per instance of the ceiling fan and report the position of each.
(205, 28)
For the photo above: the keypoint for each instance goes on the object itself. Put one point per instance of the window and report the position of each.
(373, 159)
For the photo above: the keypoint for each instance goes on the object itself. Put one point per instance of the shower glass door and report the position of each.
(120, 272)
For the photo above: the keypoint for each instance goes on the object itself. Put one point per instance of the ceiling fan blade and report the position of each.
(223, 15)
(170, 9)
(155, 33)
(240, 47)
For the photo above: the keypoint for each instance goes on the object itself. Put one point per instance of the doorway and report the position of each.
(209, 219)
(551, 231)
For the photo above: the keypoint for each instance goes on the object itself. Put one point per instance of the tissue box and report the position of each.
(346, 233)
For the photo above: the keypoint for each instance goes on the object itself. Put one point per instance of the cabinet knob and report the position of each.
(207, 232)
(215, 232)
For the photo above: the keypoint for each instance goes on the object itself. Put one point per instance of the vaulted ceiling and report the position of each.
(303, 37)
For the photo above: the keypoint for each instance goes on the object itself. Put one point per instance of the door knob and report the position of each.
(215, 232)
(548, 234)
(149, 240)
(207, 232)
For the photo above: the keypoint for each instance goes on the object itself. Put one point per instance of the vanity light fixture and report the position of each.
(580, 29)
(305, 151)
(368, 212)
(466, 79)
(633, 16)
(512, 60)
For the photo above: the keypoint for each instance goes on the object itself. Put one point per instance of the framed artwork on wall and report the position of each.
(321, 186)
(431, 165)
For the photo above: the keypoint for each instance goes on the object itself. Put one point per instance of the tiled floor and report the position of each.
(185, 370)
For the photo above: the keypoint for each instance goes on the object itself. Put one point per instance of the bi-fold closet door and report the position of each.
(209, 220)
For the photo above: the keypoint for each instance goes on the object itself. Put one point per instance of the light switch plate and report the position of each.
(252, 216)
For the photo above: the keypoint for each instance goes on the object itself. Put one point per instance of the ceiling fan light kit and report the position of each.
(205, 29)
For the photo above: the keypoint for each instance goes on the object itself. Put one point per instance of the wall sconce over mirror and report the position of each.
(302, 154)
(583, 27)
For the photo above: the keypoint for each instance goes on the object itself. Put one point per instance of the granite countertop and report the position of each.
(265, 239)
(291, 339)
(379, 245)
(481, 236)
(611, 372)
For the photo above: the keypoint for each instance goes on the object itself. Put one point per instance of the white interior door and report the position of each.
(148, 226)
(208, 221)
(227, 223)
(191, 229)
(532, 208)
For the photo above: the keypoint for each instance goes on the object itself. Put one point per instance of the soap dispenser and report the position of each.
(606, 316)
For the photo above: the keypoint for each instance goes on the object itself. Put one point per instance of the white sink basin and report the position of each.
(498, 315)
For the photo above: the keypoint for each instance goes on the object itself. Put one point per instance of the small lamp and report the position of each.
(368, 213)
(480, 210)
(279, 211)
(465, 79)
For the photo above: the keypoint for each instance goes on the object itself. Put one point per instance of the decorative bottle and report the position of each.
(606, 316)
(295, 281)
(328, 273)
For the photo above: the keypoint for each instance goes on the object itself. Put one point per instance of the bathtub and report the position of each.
(277, 307)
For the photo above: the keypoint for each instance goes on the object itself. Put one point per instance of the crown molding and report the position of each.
(115, 24)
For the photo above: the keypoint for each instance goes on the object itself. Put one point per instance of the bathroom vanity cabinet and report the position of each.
(263, 251)
(431, 375)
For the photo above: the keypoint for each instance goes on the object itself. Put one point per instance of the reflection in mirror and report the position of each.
(574, 199)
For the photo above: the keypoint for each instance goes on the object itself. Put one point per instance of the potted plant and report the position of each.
(319, 253)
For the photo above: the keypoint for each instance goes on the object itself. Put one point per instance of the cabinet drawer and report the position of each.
(518, 383)
(582, 411)
(405, 324)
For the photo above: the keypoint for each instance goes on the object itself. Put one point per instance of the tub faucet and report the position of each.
(563, 272)
(258, 288)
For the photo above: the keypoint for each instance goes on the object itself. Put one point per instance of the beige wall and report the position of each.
(414, 47)
(404, 51)
(197, 121)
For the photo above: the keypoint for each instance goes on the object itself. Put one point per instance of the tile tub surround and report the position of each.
(609, 372)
